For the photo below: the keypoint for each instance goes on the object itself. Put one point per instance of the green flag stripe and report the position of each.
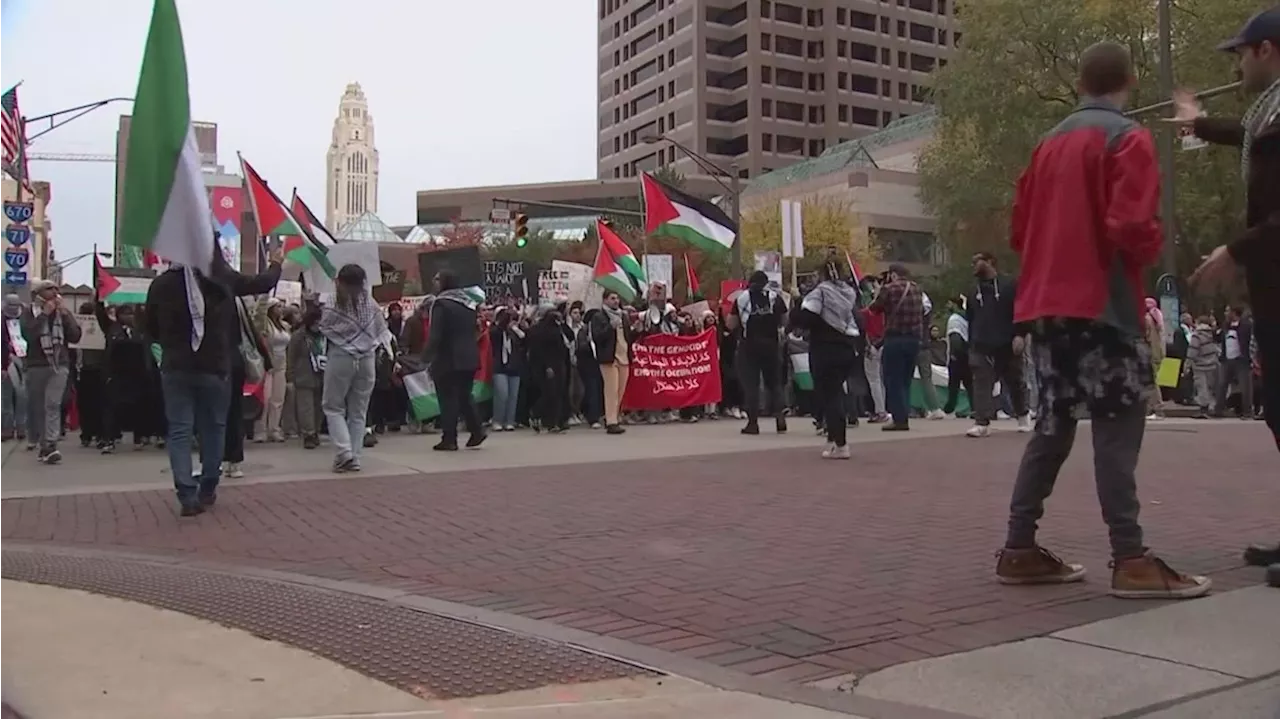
(158, 129)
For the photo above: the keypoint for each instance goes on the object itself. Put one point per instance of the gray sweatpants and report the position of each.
(46, 387)
(1116, 444)
(348, 384)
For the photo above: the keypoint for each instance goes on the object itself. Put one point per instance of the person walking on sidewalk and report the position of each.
(829, 312)
(760, 311)
(995, 349)
(353, 329)
(1085, 225)
(1257, 250)
(48, 328)
(903, 304)
(453, 356)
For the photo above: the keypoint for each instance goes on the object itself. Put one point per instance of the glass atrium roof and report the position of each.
(367, 228)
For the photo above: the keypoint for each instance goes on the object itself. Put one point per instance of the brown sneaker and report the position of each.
(1036, 565)
(1148, 577)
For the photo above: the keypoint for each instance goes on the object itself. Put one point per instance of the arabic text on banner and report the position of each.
(672, 372)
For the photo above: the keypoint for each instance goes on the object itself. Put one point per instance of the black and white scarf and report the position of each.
(1260, 114)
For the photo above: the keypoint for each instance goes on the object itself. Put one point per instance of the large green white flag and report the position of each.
(166, 208)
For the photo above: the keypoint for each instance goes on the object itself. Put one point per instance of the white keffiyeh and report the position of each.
(1260, 114)
(195, 304)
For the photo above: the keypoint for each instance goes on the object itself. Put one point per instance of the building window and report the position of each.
(766, 41)
(942, 37)
(862, 83)
(885, 57)
(788, 145)
(902, 28)
(862, 20)
(764, 8)
(816, 50)
(865, 116)
(886, 117)
(789, 46)
(840, 15)
(766, 107)
(902, 59)
(922, 33)
(862, 51)
(793, 111)
(922, 63)
(788, 13)
(886, 88)
(884, 25)
(842, 80)
(766, 74)
(902, 91)
(766, 142)
(816, 147)
(842, 48)
(842, 114)
(817, 82)
(817, 114)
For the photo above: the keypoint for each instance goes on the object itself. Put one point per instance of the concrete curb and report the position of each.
(620, 650)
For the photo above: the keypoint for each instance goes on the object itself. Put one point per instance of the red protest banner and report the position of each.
(672, 372)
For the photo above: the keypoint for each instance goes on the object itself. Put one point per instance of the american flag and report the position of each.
(14, 136)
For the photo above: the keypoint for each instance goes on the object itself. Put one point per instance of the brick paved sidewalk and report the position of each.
(771, 563)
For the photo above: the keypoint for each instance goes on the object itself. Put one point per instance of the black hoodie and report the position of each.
(989, 309)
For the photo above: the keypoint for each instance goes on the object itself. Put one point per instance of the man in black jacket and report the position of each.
(49, 328)
(995, 350)
(453, 356)
(1257, 250)
(196, 365)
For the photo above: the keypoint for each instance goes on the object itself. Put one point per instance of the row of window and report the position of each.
(786, 12)
(609, 7)
(816, 114)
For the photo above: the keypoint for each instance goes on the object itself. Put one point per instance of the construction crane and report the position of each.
(70, 157)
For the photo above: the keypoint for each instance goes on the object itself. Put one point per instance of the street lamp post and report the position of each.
(733, 188)
(1164, 22)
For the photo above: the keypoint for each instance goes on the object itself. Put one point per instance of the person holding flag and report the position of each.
(190, 307)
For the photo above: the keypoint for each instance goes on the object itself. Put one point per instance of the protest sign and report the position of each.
(505, 280)
(462, 261)
(91, 337)
(672, 372)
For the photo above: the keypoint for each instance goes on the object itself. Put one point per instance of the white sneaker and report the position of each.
(834, 452)
(1003, 415)
(979, 430)
(234, 471)
(1024, 424)
(936, 414)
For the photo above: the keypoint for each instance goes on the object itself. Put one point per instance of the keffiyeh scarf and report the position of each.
(195, 304)
(834, 302)
(1261, 113)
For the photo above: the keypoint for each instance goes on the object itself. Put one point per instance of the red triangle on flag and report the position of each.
(105, 282)
(267, 208)
(658, 208)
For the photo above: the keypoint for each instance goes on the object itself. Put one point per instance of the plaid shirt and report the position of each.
(903, 305)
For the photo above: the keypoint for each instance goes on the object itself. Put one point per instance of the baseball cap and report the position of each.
(39, 286)
(1262, 26)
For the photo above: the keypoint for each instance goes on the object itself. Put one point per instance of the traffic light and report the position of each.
(520, 229)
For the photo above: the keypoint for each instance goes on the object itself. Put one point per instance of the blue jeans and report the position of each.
(194, 401)
(506, 395)
(899, 362)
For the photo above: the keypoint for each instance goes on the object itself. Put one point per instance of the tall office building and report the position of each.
(758, 83)
(351, 165)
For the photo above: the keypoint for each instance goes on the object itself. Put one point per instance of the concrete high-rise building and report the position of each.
(351, 167)
(759, 83)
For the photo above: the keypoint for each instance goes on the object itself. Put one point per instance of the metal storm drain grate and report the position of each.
(424, 654)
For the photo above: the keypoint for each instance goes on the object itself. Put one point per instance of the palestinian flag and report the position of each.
(166, 206)
(112, 290)
(691, 279)
(672, 213)
(800, 371)
(424, 403)
(315, 240)
(273, 218)
(616, 267)
(855, 273)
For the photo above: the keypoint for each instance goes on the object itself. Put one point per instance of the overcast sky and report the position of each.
(462, 93)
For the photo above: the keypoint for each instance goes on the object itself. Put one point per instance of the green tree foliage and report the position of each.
(1013, 79)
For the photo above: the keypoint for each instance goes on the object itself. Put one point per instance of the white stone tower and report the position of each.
(351, 166)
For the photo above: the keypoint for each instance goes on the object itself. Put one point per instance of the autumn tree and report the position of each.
(827, 221)
(1013, 78)
(461, 234)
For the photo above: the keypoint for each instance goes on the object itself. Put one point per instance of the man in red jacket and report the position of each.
(1084, 223)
